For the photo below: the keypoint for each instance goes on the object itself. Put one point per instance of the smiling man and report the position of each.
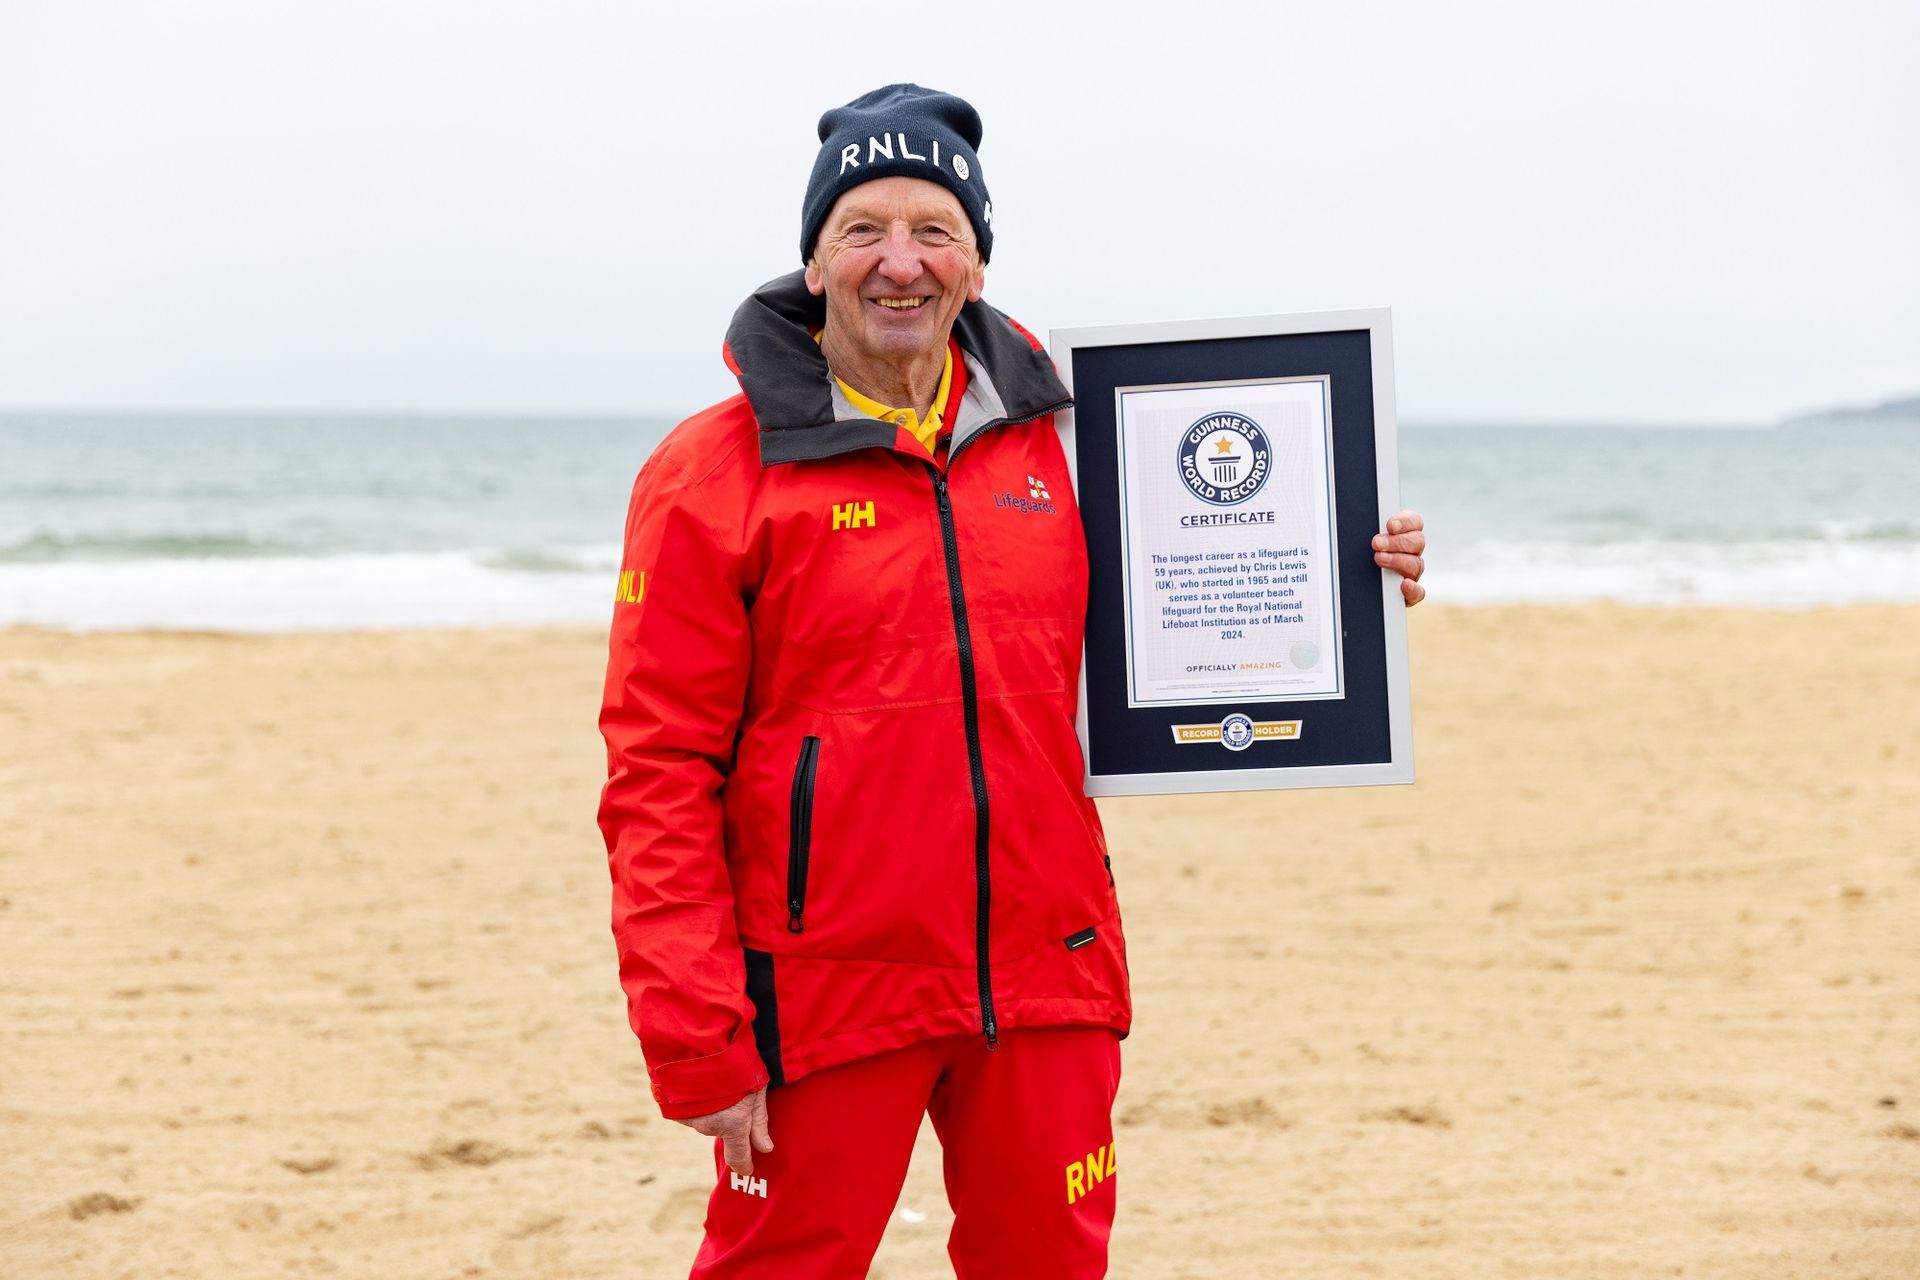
(855, 879)
(896, 258)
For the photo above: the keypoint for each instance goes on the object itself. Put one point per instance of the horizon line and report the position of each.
(1451, 420)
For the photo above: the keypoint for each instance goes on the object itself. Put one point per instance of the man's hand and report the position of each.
(741, 1128)
(1402, 548)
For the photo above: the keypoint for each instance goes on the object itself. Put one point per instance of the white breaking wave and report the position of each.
(1759, 575)
(559, 585)
(317, 593)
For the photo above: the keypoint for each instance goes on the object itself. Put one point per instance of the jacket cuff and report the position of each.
(701, 1086)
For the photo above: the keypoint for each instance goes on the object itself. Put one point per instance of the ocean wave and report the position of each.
(1628, 525)
(1764, 574)
(45, 548)
(554, 559)
(557, 585)
(54, 548)
(1644, 533)
(1870, 530)
(306, 593)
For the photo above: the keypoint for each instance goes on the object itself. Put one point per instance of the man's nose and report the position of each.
(900, 263)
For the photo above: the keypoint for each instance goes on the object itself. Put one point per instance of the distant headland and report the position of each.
(1902, 412)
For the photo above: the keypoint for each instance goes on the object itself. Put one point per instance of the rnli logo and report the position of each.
(1036, 502)
(898, 146)
(631, 586)
(1225, 458)
(853, 515)
(1084, 1175)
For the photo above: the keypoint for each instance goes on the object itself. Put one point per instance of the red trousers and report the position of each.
(1026, 1133)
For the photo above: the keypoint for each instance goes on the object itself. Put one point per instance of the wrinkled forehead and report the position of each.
(886, 199)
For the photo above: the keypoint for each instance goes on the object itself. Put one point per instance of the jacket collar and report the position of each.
(770, 348)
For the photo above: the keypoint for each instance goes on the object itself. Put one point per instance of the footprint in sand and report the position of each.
(471, 1152)
(535, 1247)
(684, 1209)
(1431, 1117)
(1161, 1112)
(85, 1207)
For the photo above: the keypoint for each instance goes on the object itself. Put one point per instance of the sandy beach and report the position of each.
(305, 970)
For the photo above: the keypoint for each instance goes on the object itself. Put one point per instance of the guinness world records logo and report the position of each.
(1225, 458)
(1236, 732)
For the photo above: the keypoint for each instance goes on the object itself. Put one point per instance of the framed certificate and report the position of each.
(1231, 475)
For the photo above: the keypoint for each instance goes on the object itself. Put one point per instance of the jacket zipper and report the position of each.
(970, 710)
(1008, 421)
(800, 831)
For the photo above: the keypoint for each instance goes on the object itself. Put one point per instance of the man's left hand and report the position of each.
(1402, 549)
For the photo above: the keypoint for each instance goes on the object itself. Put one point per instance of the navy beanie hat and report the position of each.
(900, 130)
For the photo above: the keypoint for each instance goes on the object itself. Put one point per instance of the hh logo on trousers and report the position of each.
(752, 1186)
(853, 515)
(1084, 1175)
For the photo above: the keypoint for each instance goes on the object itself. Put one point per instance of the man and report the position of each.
(855, 878)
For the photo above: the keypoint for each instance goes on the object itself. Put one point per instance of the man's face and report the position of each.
(896, 259)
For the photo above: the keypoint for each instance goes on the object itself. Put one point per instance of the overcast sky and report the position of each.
(1641, 211)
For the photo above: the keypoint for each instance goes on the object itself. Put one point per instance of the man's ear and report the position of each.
(978, 284)
(817, 283)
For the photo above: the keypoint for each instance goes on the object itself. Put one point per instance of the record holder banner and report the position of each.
(1230, 476)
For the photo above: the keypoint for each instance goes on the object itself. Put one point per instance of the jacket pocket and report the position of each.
(800, 831)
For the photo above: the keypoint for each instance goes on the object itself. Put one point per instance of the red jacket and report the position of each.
(843, 809)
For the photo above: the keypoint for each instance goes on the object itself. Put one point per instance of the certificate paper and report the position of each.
(1226, 521)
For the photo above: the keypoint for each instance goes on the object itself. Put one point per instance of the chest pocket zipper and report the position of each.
(800, 831)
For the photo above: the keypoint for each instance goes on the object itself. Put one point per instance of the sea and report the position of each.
(292, 522)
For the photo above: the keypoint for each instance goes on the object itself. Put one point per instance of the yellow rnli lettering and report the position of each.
(1084, 1175)
(1099, 1166)
(632, 585)
(853, 515)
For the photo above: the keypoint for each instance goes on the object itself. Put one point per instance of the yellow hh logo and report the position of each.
(1084, 1175)
(853, 515)
(631, 587)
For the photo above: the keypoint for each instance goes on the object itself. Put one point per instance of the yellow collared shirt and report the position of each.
(926, 430)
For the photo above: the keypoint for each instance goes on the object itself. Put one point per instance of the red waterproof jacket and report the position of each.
(843, 809)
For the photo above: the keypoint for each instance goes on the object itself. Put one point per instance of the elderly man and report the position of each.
(855, 879)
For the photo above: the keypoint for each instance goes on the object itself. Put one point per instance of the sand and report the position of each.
(304, 970)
